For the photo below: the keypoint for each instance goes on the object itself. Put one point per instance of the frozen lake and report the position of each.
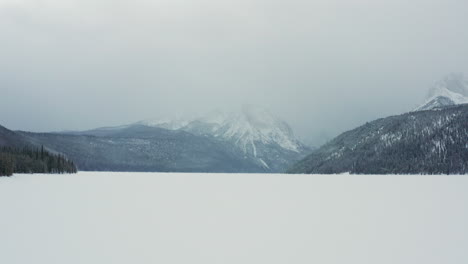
(232, 218)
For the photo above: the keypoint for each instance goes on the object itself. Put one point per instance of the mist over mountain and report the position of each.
(451, 90)
(253, 130)
(454, 82)
(432, 139)
(323, 66)
(253, 139)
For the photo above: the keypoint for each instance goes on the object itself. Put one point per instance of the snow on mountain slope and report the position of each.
(256, 125)
(167, 123)
(452, 90)
(248, 127)
(259, 134)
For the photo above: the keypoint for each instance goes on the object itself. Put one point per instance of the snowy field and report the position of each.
(219, 218)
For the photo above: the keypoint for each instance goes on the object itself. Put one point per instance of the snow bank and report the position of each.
(220, 218)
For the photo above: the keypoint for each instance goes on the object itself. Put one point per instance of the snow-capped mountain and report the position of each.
(452, 90)
(259, 134)
(249, 127)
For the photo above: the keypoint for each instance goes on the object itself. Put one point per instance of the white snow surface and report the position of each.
(169, 218)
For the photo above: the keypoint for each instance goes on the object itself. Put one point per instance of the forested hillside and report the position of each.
(32, 160)
(18, 154)
(425, 142)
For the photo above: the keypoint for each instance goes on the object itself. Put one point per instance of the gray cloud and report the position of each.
(324, 66)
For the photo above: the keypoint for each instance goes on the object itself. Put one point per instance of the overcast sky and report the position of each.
(325, 66)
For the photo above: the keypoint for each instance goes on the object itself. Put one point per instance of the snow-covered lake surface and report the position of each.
(232, 218)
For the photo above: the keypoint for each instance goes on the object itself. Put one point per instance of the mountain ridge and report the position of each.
(255, 131)
(251, 141)
(424, 142)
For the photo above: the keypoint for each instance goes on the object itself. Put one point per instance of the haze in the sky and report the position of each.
(324, 66)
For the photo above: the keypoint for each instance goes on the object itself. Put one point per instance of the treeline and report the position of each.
(33, 160)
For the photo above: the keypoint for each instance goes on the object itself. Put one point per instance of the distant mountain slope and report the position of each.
(10, 138)
(452, 90)
(143, 148)
(255, 132)
(433, 142)
(252, 140)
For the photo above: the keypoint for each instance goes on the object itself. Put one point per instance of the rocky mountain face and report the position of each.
(424, 142)
(255, 132)
(452, 90)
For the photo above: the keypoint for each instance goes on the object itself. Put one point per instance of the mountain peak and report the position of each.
(451, 90)
(255, 131)
(253, 125)
(247, 127)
